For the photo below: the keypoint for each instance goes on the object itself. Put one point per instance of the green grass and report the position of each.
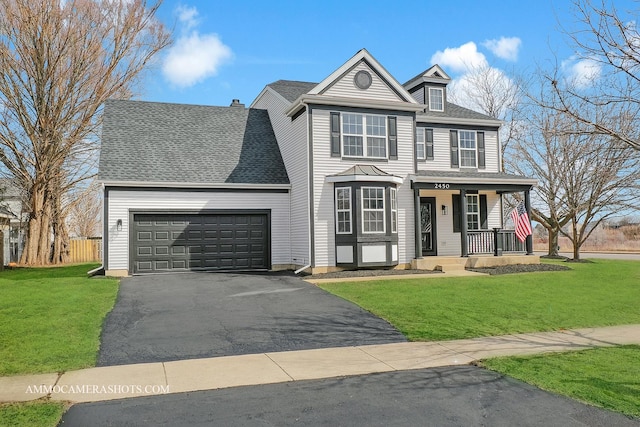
(50, 318)
(604, 377)
(33, 414)
(601, 293)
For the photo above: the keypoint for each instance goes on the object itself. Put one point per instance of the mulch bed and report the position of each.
(502, 269)
(520, 268)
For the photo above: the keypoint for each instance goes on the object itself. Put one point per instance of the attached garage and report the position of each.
(222, 240)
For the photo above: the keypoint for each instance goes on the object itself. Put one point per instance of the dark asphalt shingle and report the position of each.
(159, 142)
(290, 89)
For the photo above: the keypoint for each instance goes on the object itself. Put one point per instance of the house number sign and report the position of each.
(441, 186)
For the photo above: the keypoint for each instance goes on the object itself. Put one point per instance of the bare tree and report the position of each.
(59, 62)
(584, 177)
(492, 92)
(85, 212)
(610, 44)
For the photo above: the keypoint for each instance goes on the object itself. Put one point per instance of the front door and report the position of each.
(428, 225)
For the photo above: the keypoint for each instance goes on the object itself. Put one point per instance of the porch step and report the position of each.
(448, 268)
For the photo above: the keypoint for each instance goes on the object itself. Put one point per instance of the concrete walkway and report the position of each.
(124, 381)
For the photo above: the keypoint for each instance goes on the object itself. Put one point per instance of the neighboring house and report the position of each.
(13, 220)
(355, 171)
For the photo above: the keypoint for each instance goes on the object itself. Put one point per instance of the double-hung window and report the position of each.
(420, 144)
(364, 135)
(473, 212)
(394, 210)
(373, 210)
(436, 99)
(467, 146)
(343, 210)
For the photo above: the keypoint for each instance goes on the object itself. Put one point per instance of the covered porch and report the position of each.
(459, 215)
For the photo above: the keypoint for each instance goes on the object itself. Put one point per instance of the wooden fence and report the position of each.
(85, 250)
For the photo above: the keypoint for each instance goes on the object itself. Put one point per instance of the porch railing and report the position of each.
(496, 242)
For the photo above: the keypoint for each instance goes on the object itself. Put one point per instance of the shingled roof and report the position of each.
(179, 143)
(454, 111)
(291, 89)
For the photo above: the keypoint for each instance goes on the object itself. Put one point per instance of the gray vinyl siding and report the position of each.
(441, 159)
(449, 242)
(418, 95)
(378, 90)
(292, 140)
(121, 202)
(323, 203)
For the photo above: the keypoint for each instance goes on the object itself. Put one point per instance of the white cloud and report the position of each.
(187, 16)
(504, 47)
(460, 59)
(193, 57)
(581, 72)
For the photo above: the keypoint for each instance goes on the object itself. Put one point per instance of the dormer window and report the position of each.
(436, 99)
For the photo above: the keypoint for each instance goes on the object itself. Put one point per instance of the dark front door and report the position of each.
(428, 225)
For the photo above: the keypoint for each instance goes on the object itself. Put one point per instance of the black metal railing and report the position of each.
(496, 242)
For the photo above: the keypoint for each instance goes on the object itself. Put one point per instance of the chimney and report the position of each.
(236, 103)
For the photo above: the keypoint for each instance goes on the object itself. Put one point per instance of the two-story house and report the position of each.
(355, 171)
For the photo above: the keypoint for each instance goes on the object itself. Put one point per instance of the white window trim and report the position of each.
(344, 210)
(474, 150)
(365, 136)
(422, 132)
(363, 210)
(441, 97)
(394, 210)
(476, 214)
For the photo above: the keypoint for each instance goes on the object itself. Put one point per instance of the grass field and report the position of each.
(50, 318)
(31, 414)
(605, 377)
(601, 293)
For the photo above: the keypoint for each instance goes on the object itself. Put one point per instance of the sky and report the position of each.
(226, 49)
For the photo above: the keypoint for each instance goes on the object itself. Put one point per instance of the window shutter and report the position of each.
(335, 134)
(481, 161)
(393, 138)
(428, 140)
(453, 138)
(483, 211)
(457, 220)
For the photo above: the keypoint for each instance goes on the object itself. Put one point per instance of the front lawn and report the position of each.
(604, 377)
(50, 318)
(601, 293)
(32, 414)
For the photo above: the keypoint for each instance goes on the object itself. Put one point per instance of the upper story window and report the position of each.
(373, 210)
(367, 136)
(424, 144)
(467, 144)
(364, 136)
(436, 99)
(467, 149)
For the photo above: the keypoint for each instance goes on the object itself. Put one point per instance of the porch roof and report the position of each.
(364, 173)
(471, 180)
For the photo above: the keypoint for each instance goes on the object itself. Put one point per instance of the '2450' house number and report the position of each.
(441, 186)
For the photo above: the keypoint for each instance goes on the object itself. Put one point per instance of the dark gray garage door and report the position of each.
(216, 241)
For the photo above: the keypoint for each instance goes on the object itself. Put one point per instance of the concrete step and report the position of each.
(447, 268)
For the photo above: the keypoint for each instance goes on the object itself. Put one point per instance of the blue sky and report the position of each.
(232, 49)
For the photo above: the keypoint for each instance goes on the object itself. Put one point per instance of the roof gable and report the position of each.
(191, 144)
(433, 74)
(383, 85)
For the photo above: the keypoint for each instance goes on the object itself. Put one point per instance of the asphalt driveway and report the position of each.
(451, 396)
(159, 318)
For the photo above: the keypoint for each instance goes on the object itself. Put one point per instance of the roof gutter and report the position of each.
(306, 99)
(423, 118)
(207, 185)
(476, 180)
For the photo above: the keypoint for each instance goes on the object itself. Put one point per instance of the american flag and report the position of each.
(521, 222)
